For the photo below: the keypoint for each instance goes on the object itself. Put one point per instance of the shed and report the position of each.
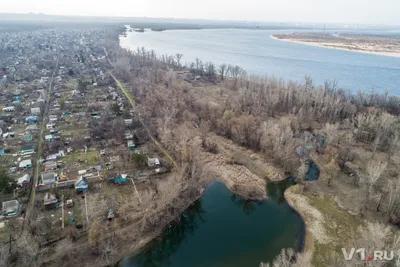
(10, 208)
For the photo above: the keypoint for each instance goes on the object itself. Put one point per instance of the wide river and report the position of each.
(258, 53)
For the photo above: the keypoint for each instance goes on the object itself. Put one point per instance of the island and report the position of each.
(385, 45)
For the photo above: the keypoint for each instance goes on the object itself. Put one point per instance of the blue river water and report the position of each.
(258, 53)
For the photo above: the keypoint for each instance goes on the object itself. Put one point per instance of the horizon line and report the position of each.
(192, 19)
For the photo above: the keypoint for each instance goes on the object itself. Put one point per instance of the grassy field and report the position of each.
(339, 225)
(91, 157)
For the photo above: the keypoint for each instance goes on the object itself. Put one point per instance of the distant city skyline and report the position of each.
(384, 12)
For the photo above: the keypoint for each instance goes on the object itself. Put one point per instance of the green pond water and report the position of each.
(223, 229)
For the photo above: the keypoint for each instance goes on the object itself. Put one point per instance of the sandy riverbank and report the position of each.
(340, 46)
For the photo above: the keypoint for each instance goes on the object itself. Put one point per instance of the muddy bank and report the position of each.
(293, 197)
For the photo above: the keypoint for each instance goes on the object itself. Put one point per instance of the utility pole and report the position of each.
(87, 215)
(62, 206)
(12, 239)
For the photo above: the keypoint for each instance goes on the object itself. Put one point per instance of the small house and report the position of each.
(128, 136)
(27, 150)
(49, 177)
(24, 181)
(81, 185)
(17, 100)
(50, 126)
(128, 122)
(31, 128)
(153, 162)
(35, 111)
(53, 118)
(28, 138)
(25, 164)
(31, 119)
(10, 208)
(131, 145)
(9, 109)
(49, 138)
(50, 201)
(52, 157)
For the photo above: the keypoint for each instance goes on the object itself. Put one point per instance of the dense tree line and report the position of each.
(268, 115)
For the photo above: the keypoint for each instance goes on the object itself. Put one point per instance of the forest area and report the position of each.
(354, 138)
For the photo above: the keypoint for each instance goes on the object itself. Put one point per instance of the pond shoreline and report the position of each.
(305, 236)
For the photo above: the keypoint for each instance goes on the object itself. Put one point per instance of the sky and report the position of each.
(321, 11)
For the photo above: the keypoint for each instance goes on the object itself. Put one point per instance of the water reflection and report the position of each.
(158, 252)
(247, 205)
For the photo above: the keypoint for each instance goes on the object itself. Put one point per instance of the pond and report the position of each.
(223, 229)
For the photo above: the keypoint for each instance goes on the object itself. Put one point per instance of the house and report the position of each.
(50, 126)
(49, 177)
(153, 162)
(31, 128)
(25, 164)
(9, 109)
(52, 157)
(31, 119)
(24, 181)
(35, 111)
(81, 185)
(28, 138)
(10, 208)
(128, 136)
(17, 100)
(50, 201)
(53, 118)
(131, 145)
(128, 122)
(27, 150)
(121, 179)
(49, 138)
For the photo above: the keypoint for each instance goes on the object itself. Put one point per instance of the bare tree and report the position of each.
(289, 258)
(222, 70)
(374, 170)
(178, 58)
(331, 133)
(210, 70)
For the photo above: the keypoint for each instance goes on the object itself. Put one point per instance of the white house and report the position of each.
(35, 111)
(9, 109)
(25, 164)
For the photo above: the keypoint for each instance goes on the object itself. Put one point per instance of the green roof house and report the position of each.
(27, 150)
(10, 208)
